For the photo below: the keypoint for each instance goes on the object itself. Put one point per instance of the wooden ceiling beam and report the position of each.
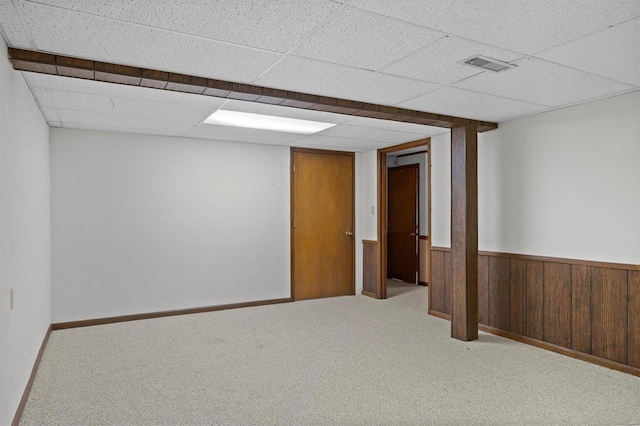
(44, 63)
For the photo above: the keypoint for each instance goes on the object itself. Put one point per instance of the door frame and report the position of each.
(291, 204)
(382, 209)
(417, 236)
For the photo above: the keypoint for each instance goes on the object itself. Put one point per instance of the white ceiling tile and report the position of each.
(75, 85)
(373, 135)
(526, 26)
(35, 79)
(544, 83)
(300, 144)
(42, 97)
(612, 53)
(275, 25)
(91, 37)
(438, 62)
(238, 134)
(478, 106)
(49, 115)
(144, 108)
(80, 101)
(396, 126)
(123, 121)
(331, 142)
(364, 40)
(315, 77)
(120, 106)
(10, 24)
(119, 129)
(284, 111)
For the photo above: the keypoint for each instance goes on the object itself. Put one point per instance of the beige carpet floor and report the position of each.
(348, 360)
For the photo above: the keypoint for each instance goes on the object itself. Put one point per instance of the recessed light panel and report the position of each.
(266, 122)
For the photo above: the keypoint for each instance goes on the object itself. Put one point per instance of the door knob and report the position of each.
(349, 233)
(412, 234)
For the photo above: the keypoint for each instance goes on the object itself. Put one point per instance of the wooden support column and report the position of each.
(464, 232)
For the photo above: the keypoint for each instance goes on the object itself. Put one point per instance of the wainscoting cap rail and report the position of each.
(594, 263)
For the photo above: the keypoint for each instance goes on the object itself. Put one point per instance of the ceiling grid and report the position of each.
(400, 53)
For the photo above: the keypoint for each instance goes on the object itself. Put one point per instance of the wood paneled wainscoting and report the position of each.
(583, 309)
(370, 268)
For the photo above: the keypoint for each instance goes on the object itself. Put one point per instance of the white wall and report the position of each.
(149, 223)
(560, 184)
(441, 190)
(369, 218)
(25, 248)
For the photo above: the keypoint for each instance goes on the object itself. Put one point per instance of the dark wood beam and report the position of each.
(464, 233)
(44, 63)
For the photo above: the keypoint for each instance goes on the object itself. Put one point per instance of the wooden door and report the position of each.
(402, 237)
(322, 233)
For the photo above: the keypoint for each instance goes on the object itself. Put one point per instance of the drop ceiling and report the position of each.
(401, 53)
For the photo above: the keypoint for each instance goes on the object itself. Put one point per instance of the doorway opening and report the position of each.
(404, 244)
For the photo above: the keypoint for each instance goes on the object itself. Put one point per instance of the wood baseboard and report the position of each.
(551, 347)
(369, 294)
(440, 315)
(27, 389)
(426, 284)
(150, 315)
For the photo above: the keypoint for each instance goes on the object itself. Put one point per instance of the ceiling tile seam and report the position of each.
(516, 117)
(144, 100)
(417, 96)
(588, 35)
(347, 6)
(598, 98)
(55, 108)
(252, 142)
(497, 96)
(18, 11)
(202, 122)
(317, 28)
(343, 137)
(194, 128)
(299, 142)
(441, 32)
(370, 71)
(373, 128)
(583, 71)
(415, 52)
(177, 120)
(258, 49)
(226, 101)
(38, 101)
(102, 127)
(381, 70)
(412, 24)
(479, 93)
(4, 36)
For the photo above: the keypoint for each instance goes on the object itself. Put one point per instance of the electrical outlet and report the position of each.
(11, 298)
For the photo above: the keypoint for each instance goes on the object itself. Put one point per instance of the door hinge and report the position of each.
(294, 168)
(294, 223)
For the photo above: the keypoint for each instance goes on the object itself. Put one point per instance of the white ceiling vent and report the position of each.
(485, 63)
